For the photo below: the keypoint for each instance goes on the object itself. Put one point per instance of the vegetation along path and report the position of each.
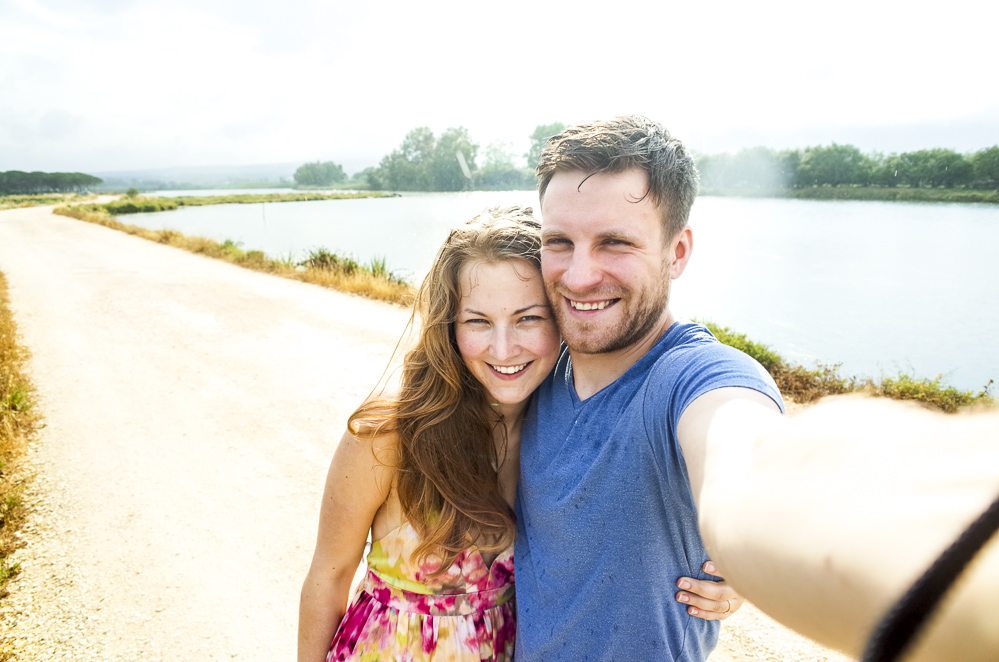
(191, 408)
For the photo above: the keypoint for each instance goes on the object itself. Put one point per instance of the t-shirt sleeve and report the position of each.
(693, 371)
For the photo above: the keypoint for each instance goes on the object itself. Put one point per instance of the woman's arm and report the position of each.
(357, 485)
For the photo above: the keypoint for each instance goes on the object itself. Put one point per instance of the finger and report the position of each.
(711, 568)
(707, 588)
(718, 607)
(707, 615)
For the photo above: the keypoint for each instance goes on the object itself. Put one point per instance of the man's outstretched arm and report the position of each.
(851, 499)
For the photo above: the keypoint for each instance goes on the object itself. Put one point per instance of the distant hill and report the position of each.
(222, 176)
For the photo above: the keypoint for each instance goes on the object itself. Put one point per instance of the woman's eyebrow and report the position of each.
(516, 312)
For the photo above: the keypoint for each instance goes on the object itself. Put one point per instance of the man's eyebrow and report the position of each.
(617, 235)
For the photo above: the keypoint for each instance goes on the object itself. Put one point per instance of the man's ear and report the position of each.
(680, 248)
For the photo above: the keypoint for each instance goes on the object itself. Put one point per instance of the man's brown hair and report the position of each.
(623, 143)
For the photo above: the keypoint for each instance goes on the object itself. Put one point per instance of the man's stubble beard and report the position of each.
(632, 330)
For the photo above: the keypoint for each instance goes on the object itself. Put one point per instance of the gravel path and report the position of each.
(191, 410)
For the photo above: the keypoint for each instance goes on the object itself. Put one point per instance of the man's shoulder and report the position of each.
(689, 345)
(694, 361)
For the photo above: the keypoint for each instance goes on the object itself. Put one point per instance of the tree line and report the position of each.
(449, 162)
(763, 169)
(18, 182)
(446, 162)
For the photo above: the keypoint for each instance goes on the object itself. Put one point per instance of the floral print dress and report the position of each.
(400, 613)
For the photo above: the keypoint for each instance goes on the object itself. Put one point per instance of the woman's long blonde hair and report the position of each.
(448, 462)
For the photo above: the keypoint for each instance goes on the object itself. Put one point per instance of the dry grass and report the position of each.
(341, 274)
(803, 385)
(18, 421)
(18, 201)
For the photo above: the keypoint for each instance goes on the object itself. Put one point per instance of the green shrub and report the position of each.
(929, 391)
(802, 384)
(325, 260)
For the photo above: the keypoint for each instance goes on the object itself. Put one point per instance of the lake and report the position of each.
(880, 287)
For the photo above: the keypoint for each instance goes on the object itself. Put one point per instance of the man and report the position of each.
(644, 437)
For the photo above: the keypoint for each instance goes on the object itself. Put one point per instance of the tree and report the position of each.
(790, 167)
(835, 165)
(541, 134)
(949, 169)
(453, 162)
(319, 173)
(928, 167)
(405, 168)
(17, 181)
(499, 172)
(426, 163)
(986, 166)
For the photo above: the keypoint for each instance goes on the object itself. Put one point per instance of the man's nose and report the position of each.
(582, 273)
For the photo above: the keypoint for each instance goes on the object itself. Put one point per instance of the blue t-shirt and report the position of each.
(605, 517)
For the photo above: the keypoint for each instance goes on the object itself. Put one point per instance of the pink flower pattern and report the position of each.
(401, 613)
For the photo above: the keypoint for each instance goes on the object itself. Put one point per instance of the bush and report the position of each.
(803, 385)
(326, 260)
(929, 391)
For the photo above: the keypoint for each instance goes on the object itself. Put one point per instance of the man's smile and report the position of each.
(591, 305)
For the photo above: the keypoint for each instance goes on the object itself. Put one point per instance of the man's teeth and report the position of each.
(508, 369)
(589, 305)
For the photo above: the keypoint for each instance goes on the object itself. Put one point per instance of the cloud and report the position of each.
(138, 83)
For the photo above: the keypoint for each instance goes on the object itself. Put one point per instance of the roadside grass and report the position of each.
(804, 385)
(18, 201)
(322, 267)
(137, 204)
(18, 420)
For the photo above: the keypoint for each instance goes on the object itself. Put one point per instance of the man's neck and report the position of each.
(594, 372)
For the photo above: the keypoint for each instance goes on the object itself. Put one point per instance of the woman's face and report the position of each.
(505, 330)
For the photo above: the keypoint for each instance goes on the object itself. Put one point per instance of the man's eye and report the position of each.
(557, 242)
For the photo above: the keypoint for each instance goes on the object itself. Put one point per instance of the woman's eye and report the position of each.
(531, 318)
(476, 321)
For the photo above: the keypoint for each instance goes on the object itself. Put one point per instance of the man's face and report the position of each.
(605, 263)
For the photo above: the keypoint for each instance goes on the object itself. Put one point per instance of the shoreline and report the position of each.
(329, 269)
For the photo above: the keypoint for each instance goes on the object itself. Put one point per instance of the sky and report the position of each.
(111, 85)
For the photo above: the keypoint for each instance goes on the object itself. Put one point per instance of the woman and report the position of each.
(431, 471)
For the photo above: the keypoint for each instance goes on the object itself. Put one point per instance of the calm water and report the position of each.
(879, 287)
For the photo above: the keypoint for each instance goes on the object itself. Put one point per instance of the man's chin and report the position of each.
(589, 341)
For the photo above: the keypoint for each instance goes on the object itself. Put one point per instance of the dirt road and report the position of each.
(191, 409)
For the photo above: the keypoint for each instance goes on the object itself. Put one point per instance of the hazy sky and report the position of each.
(97, 85)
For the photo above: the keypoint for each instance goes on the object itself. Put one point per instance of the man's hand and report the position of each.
(710, 600)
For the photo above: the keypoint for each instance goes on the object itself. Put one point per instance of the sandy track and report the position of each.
(191, 409)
